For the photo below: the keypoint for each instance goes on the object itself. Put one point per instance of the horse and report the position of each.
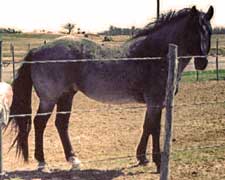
(114, 82)
(6, 94)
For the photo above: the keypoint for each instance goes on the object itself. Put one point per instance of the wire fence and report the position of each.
(176, 151)
(118, 108)
(214, 71)
(186, 74)
(110, 108)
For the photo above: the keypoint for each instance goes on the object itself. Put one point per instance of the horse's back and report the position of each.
(52, 79)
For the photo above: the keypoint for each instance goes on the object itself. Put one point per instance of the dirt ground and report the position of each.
(105, 139)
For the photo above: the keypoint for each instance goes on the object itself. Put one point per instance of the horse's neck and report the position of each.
(156, 43)
(172, 32)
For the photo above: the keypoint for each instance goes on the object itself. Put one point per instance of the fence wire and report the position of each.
(194, 148)
(82, 60)
(111, 108)
(6, 63)
(99, 60)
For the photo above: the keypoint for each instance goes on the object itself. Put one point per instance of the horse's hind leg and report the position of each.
(151, 126)
(141, 149)
(40, 122)
(64, 104)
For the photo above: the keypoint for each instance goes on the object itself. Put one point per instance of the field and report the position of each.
(105, 138)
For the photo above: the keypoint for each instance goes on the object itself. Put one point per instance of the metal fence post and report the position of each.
(217, 60)
(197, 75)
(170, 92)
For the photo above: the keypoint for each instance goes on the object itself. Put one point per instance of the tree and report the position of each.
(132, 30)
(78, 30)
(69, 27)
(111, 30)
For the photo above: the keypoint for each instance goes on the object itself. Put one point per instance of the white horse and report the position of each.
(6, 95)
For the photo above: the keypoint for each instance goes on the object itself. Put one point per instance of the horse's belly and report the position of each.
(114, 97)
(107, 89)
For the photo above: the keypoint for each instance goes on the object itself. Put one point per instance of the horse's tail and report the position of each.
(20, 110)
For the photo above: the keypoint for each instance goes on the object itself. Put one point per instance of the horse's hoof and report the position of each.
(143, 162)
(158, 170)
(75, 162)
(42, 166)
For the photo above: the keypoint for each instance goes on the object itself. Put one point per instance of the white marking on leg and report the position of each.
(41, 166)
(75, 162)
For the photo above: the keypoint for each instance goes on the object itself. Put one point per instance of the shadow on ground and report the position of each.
(56, 174)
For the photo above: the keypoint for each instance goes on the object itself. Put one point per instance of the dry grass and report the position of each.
(107, 134)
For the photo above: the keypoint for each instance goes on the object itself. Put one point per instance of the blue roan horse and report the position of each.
(107, 81)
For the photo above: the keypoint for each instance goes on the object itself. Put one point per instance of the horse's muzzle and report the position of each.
(200, 63)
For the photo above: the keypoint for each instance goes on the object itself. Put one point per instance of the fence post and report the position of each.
(0, 58)
(197, 75)
(28, 46)
(13, 59)
(1, 164)
(170, 91)
(217, 60)
(158, 9)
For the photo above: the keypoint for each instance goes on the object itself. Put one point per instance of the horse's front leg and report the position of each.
(151, 126)
(155, 131)
(40, 122)
(64, 104)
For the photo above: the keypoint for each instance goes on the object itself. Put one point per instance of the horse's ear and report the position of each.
(193, 10)
(209, 14)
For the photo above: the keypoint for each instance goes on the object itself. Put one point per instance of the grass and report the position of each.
(23, 42)
(204, 164)
(191, 76)
(221, 39)
(198, 155)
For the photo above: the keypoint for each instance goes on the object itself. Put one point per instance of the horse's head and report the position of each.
(200, 36)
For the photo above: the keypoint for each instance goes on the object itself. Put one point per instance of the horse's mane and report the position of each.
(161, 21)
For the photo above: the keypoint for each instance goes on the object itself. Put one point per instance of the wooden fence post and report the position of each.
(13, 59)
(217, 60)
(1, 164)
(28, 46)
(170, 92)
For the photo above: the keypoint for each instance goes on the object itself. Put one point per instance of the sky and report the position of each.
(94, 15)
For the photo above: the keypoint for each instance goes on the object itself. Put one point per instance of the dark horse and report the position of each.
(107, 81)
